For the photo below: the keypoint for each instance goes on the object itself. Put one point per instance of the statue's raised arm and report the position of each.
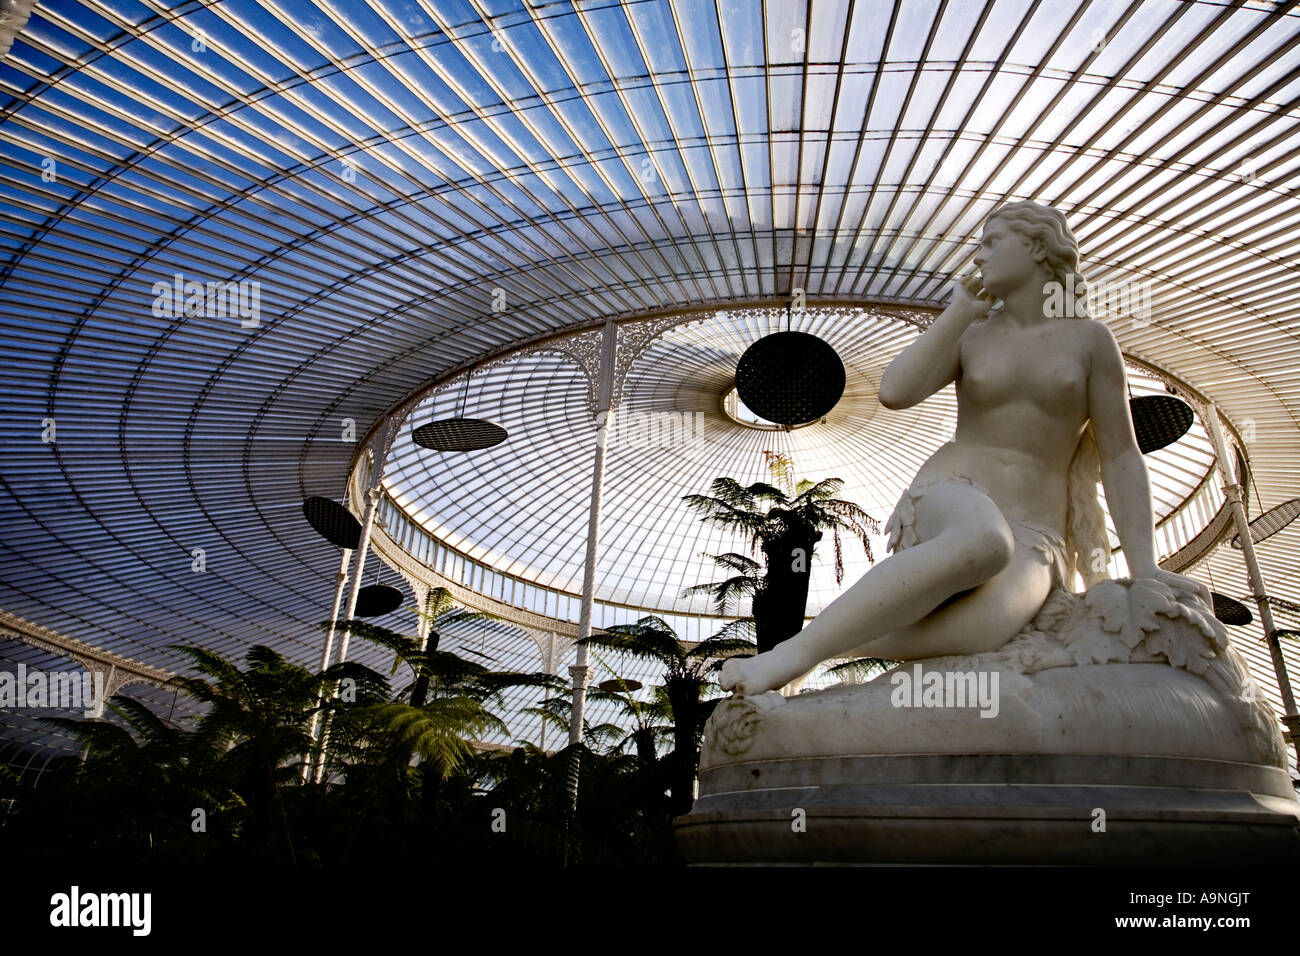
(933, 361)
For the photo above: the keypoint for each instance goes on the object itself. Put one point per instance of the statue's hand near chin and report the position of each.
(969, 295)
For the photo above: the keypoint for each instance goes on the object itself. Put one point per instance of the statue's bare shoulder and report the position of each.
(1101, 335)
(1105, 361)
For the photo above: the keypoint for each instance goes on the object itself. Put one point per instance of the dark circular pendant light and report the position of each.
(1230, 611)
(616, 685)
(332, 521)
(1270, 522)
(1159, 420)
(459, 434)
(376, 600)
(791, 378)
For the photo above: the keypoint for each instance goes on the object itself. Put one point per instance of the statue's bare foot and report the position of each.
(754, 675)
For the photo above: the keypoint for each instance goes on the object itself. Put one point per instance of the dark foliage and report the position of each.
(403, 784)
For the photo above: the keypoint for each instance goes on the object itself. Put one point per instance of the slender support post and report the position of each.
(380, 450)
(424, 623)
(110, 688)
(1233, 492)
(363, 551)
(604, 423)
(578, 674)
(549, 666)
(340, 579)
(372, 502)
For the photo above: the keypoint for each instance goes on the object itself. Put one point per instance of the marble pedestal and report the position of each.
(992, 809)
(1118, 764)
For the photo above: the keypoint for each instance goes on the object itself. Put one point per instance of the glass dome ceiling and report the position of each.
(402, 188)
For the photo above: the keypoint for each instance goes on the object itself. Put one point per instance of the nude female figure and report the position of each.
(1008, 508)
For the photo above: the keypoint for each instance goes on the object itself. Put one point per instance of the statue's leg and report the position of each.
(982, 620)
(963, 541)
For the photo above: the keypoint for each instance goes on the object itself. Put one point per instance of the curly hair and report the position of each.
(1035, 221)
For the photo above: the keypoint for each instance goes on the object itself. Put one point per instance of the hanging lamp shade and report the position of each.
(617, 685)
(1270, 522)
(791, 378)
(459, 434)
(1230, 611)
(376, 600)
(1159, 420)
(332, 521)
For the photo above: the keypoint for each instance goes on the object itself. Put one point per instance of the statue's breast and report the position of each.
(1044, 367)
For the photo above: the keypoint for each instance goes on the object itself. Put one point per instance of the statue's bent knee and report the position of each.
(983, 554)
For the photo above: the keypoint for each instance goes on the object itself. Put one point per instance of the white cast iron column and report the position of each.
(1232, 490)
(604, 422)
(379, 446)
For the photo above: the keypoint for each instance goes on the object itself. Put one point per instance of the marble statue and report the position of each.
(1008, 509)
(1026, 723)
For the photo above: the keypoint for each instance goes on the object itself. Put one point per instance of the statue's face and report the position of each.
(1005, 259)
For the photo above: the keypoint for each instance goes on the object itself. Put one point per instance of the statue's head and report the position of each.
(1046, 230)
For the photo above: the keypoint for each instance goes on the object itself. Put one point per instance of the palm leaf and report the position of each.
(740, 629)
(650, 638)
(402, 645)
(437, 731)
(721, 647)
(490, 685)
(100, 736)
